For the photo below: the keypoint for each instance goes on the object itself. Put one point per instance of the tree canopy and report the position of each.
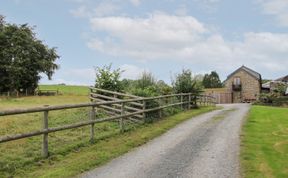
(185, 82)
(212, 80)
(23, 58)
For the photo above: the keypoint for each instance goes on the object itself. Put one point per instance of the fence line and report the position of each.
(121, 113)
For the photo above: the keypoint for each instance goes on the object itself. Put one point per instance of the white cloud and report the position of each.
(135, 2)
(131, 71)
(181, 10)
(278, 8)
(105, 8)
(81, 12)
(101, 9)
(73, 76)
(208, 5)
(168, 37)
(139, 37)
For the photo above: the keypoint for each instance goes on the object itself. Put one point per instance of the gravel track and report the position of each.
(205, 146)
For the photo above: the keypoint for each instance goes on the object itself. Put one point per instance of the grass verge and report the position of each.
(264, 148)
(89, 156)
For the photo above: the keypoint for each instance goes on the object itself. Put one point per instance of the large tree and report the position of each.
(212, 80)
(23, 58)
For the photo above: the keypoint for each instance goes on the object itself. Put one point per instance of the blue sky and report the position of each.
(162, 36)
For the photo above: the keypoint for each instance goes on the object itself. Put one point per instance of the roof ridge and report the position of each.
(248, 70)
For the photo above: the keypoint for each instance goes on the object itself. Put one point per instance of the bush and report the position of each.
(272, 99)
(108, 79)
(186, 83)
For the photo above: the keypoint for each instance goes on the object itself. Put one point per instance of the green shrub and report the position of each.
(108, 79)
(272, 99)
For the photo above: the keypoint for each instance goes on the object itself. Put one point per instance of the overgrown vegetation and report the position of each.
(264, 148)
(148, 86)
(22, 58)
(276, 97)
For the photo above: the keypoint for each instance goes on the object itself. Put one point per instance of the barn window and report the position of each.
(237, 81)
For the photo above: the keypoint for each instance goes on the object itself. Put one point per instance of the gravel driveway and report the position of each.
(205, 146)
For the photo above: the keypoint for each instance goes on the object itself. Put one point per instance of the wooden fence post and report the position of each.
(189, 101)
(122, 119)
(181, 101)
(92, 129)
(45, 152)
(160, 110)
(144, 108)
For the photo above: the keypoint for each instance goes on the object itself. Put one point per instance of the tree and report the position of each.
(186, 83)
(23, 58)
(108, 79)
(212, 80)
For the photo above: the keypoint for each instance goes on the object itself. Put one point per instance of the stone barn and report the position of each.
(244, 84)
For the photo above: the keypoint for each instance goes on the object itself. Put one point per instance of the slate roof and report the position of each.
(248, 70)
(283, 79)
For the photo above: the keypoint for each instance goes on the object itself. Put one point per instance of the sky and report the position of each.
(162, 37)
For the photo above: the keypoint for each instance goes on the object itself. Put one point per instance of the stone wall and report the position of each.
(250, 87)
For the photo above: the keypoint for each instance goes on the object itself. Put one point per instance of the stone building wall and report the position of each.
(250, 87)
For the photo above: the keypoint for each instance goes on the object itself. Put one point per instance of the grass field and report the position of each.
(70, 151)
(265, 143)
(19, 154)
(67, 89)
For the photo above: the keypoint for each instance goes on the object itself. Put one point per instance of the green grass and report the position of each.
(71, 152)
(264, 145)
(67, 89)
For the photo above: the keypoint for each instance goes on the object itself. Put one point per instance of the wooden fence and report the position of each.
(100, 95)
(126, 113)
(37, 92)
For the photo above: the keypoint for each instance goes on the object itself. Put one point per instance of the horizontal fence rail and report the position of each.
(123, 109)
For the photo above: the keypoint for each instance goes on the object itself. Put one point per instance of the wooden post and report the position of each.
(92, 100)
(160, 110)
(144, 108)
(92, 129)
(122, 119)
(189, 100)
(182, 101)
(45, 152)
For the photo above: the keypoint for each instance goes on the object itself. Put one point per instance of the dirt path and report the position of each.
(205, 146)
